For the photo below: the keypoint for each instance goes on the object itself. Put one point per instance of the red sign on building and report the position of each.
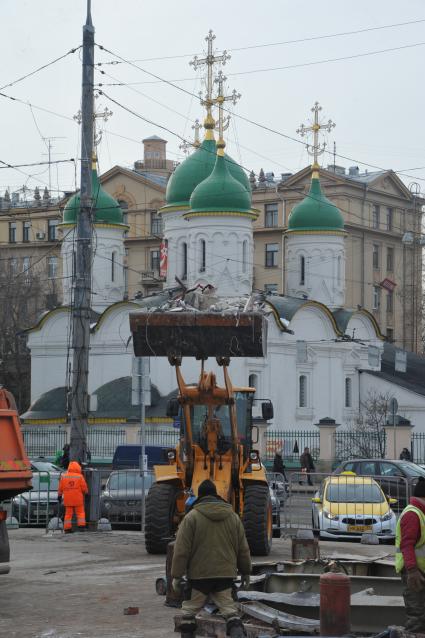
(388, 284)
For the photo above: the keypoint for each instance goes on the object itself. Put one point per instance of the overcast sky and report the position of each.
(377, 101)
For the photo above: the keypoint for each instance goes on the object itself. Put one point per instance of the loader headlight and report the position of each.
(253, 457)
(171, 455)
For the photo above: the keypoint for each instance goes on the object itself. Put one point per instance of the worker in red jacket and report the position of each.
(73, 488)
(410, 558)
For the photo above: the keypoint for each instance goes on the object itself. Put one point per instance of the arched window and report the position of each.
(203, 256)
(253, 381)
(244, 255)
(184, 260)
(348, 392)
(338, 270)
(302, 391)
(302, 270)
(113, 265)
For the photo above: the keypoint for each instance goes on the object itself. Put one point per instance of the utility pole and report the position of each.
(82, 275)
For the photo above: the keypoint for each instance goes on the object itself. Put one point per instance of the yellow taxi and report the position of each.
(347, 506)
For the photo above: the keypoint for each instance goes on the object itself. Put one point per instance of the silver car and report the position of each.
(121, 500)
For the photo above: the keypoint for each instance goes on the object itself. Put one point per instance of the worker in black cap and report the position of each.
(210, 549)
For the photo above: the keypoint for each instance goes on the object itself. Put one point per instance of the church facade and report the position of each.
(319, 352)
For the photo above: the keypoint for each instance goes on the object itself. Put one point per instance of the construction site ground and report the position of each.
(77, 586)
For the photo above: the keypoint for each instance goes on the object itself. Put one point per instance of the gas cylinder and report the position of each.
(335, 594)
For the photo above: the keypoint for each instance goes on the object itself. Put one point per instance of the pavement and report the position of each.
(77, 586)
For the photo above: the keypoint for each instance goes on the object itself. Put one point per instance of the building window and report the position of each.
(113, 265)
(156, 224)
(376, 297)
(389, 218)
(375, 216)
(348, 392)
(390, 301)
(12, 232)
(338, 270)
(390, 259)
(74, 263)
(302, 270)
(253, 381)
(51, 229)
(13, 266)
(270, 288)
(390, 335)
(271, 215)
(302, 391)
(202, 255)
(184, 270)
(375, 256)
(155, 258)
(244, 255)
(26, 267)
(271, 255)
(52, 267)
(123, 205)
(26, 227)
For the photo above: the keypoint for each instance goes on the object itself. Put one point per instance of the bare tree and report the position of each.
(365, 436)
(23, 297)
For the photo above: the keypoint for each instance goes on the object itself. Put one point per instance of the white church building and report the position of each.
(323, 359)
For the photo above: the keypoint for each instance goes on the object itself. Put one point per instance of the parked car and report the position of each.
(396, 478)
(278, 489)
(127, 457)
(348, 506)
(39, 504)
(121, 500)
(41, 464)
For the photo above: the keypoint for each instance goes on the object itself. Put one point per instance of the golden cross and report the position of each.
(316, 148)
(223, 123)
(209, 61)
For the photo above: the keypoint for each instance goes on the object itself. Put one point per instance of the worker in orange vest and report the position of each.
(73, 488)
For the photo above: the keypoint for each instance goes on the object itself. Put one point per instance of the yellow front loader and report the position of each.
(216, 429)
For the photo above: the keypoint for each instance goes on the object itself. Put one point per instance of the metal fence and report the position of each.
(164, 437)
(344, 506)
(102, 441)
(43, 441)
(291, 443)
(364, 445)
(38, 505)
(418, 447)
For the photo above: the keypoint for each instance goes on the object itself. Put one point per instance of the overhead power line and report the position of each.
(283, 42)
(6, 165)
(40, 68)
(281, 68)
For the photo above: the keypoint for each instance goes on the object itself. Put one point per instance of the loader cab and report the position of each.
(199, 419)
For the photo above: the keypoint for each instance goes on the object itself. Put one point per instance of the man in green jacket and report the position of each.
(210, 549)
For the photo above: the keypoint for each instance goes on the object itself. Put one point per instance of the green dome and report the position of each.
(194, 170)
(107, 209)
(315, 212)
(220, 192)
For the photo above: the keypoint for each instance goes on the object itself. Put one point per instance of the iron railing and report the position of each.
(362, 445)
(418, 447)
(43, 441)
(167, 437)
(291, 443)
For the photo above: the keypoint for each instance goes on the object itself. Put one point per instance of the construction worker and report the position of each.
(410, 558)
(73, 487)
(210, 548)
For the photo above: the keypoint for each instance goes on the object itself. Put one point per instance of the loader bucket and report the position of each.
(198, 334)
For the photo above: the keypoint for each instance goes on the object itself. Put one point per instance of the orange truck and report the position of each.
(15, 468)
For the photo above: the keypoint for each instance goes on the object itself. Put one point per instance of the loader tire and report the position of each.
(258, 519)
(159, 524)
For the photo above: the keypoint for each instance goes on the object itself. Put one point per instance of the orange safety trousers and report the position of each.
(79, 514)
